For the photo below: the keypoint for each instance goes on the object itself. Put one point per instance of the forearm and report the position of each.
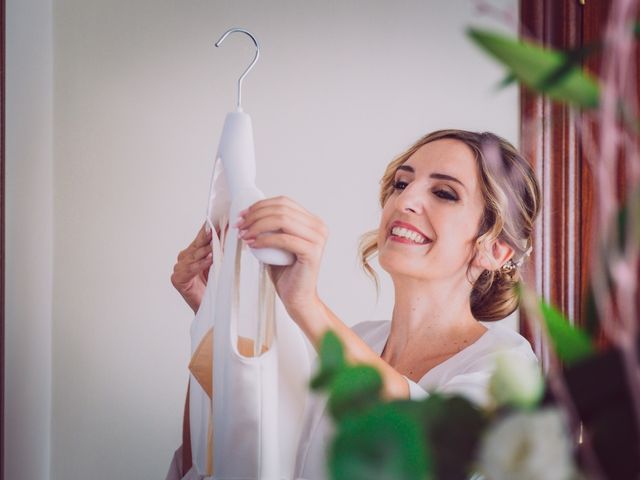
(315, 319)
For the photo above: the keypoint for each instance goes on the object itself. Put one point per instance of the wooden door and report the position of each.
(549, 138)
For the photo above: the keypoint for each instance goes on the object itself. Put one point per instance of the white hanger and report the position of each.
(237, 153)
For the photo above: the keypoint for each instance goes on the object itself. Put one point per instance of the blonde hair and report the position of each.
(512, 202)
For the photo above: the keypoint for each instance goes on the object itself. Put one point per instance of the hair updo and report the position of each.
(511, 204)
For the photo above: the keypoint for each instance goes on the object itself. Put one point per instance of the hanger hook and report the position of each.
(248, 69)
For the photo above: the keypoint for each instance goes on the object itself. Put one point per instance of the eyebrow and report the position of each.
(439, 176)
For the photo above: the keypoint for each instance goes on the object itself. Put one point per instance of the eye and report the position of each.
(440, 193)
(445, 195)
(399, 185)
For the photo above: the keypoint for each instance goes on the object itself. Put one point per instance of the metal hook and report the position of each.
(248, 69)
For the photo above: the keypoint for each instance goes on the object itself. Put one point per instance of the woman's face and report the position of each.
(437, 193)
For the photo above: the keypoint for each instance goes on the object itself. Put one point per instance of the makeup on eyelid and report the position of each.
(443, 194)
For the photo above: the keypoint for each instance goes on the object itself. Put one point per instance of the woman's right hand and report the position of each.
(192, 269)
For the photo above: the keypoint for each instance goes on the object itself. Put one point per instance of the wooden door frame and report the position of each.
(548, 138)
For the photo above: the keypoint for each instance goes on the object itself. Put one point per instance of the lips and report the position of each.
(408, 226)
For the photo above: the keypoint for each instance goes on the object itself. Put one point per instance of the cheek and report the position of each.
(384, 218)
(457, 230)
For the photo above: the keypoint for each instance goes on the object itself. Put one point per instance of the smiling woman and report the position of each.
(457, 215)
(129, 180)
(481, 188)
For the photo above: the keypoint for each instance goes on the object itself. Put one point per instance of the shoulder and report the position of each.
(469, 372)
(504, 338)
(500, 341)
(479, 358)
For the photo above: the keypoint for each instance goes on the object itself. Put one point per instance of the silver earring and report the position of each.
(508, 267)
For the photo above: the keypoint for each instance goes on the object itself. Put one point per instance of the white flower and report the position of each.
(516, 381)
(527, 445)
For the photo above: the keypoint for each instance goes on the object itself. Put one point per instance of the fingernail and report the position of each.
(242, 233)
(250, 241)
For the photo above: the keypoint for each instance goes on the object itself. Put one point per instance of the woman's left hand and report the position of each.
(295, 230)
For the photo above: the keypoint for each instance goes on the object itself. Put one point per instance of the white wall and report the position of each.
(29, 247)
(140, 95)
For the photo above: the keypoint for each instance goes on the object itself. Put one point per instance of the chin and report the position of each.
(396, 264)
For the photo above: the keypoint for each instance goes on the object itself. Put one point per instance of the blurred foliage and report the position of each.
(453, 427)
(354, 389)
(381, 443)
(400, 439)
(331, 361)
(570, 343)
(552, 72)
(623, 217)
(617, 243)
(605, 412)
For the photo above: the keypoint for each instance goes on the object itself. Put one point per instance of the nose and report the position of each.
(410, 199)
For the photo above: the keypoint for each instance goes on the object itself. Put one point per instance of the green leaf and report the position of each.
(453, 426)
(383, 444)
(572, 61)
(506, 81)
(331, 361)
(544, 70)
(353, 390)
(570, 343)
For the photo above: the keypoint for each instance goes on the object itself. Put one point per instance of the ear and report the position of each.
(493, 255)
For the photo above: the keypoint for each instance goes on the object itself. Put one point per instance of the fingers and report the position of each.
(281, 213)
(199, 247)
(302, 249)
(186, 278)
(288, 221)
(202, 238)
(291, 228)
(193, 260)
(204, 272)
(202, 252)
(193, 254)
(281, 200)
(185, 269)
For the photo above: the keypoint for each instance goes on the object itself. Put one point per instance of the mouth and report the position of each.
(406, 233)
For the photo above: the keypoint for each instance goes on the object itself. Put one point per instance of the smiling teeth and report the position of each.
(411, 235)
